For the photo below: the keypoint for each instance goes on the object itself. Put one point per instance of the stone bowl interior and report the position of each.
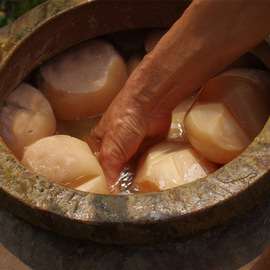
(57, 25)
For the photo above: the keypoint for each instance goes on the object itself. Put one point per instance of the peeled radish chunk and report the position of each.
(177, 129)
(153, 38)
(214, 133)
(170, 164)
(258, 76)
(83, 80)
(226, 116)
(67, 161)
(79, 127)
(96, 185)
(26, 117)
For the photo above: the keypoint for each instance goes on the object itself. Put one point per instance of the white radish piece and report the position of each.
(26, 117)
(177, 128)
(170, 164)
(214, 133)
(67, 161)
(96, 185)
(79, 127)
(83, 80)
(258, 76)
(226, 116)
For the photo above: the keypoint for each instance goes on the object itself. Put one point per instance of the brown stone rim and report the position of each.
(49, 29)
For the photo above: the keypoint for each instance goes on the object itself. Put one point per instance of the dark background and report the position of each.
(12, 9)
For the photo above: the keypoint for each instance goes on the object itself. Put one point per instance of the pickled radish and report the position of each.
(83, 80)
(26, 117)
(258, 76)
(177, 128)
(226, 116)
(214, 133)
(79, 127)
(78, 85)
(96, 185)
(67, 161)
(170, 164)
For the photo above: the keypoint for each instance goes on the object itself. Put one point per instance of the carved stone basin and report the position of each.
(232, 190)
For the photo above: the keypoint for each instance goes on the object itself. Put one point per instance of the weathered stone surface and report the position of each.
(168, 215)
(228, 247)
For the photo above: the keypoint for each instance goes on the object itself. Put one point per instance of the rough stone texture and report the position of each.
(227, 247)
(146, 218)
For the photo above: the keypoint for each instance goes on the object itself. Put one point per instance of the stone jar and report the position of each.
(232, 190)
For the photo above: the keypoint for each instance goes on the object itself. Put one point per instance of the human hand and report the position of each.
(124, 129)
(207, 38)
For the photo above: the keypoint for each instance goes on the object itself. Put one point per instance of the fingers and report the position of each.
(115, 152)
(121, 136)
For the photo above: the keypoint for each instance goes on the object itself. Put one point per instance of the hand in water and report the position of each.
(207, 38)
(124, 129)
